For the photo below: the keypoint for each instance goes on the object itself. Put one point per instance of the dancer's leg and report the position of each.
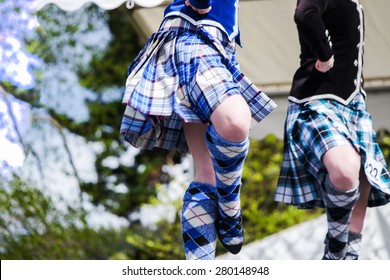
(199, 211)
(199, 214)
(340, 193)
(228, 144)
(357, 220)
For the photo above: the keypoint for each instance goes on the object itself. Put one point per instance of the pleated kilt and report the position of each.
(181, 75)
(313, 128)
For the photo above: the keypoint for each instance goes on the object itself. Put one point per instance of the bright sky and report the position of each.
(11, 152)
(15, 67)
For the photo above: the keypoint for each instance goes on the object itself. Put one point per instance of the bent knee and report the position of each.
(343, 166)
(344, 179)
(345, 175)
(232, 119)
(236, 130)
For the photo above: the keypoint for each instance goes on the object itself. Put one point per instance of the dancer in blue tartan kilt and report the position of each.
(185, 92)
(331, 157)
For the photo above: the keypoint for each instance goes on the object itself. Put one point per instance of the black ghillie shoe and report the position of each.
(231, 232)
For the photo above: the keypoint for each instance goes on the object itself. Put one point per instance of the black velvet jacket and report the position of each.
(326, 28)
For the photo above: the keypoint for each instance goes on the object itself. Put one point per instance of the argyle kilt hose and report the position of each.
(228, 161)
(199, 213)
(339, 205)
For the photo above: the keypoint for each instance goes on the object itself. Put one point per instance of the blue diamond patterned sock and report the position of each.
(199, 213)
(228, 160)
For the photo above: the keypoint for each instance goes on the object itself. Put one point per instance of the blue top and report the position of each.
(223, 15)
(201, 4)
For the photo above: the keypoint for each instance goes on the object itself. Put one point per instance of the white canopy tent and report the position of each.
(71, 5)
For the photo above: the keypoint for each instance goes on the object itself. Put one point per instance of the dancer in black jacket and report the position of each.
(331, 158)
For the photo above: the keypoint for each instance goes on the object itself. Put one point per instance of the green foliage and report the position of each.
(262, 215)
(31, 227)
(165, 243)
(110, 68)
(383, 138)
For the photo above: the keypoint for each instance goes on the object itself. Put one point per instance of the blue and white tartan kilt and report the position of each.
(181, 75)
(313, 128)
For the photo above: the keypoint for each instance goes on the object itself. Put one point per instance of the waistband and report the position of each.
(179, 23)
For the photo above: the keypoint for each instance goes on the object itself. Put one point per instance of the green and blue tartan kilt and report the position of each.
(181, 75)
(313, 128)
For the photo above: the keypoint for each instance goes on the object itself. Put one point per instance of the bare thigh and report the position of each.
(204, 170)
(359, 212)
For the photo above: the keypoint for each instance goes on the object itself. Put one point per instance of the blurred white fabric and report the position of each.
(305, 241)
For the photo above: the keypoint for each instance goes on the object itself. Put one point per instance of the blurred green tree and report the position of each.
(33, 228)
